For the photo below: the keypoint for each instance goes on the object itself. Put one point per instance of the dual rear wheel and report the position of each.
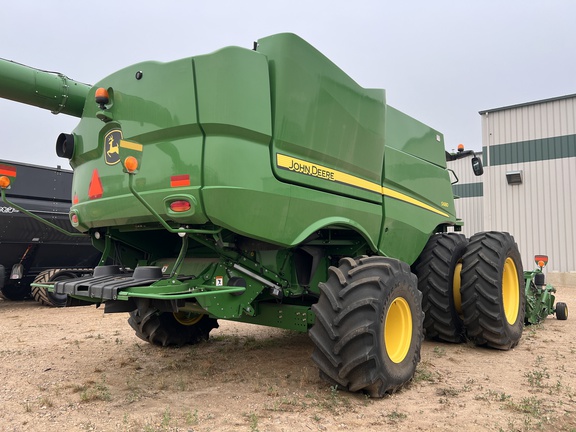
(472, 289)
(373, 311)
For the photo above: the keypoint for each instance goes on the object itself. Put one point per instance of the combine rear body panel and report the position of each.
(325, 161)
(266, 186)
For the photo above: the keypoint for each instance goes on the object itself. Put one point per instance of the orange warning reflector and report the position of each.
(180, 180)
(75, 199)
(4, 182)
(95, 189)
(180, 206)
(7, 170)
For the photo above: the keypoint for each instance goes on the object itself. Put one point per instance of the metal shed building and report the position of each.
(529, 182)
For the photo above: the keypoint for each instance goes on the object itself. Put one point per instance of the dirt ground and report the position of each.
(76, 369)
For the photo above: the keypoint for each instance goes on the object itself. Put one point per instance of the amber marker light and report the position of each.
(102, 97)
(460, 147)
(4, 182)
(131, 164)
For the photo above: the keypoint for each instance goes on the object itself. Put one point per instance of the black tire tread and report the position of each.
(435, 270)
(346, 329)
(164, 330)
(481, 290)
(42, 296)
(561, 311)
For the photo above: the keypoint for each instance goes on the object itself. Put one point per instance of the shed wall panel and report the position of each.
(540, 140)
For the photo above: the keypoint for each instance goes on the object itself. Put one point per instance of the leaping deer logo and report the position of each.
(112, 146)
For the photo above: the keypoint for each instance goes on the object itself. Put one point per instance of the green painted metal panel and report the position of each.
(157, 111)
(411, 136)
(323, 119)
(426, 183)
(418, 196)
(248, 199)
(406, 229)
(233, 93)
(286, 316)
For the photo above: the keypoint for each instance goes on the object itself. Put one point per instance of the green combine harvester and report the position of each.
(265, 186)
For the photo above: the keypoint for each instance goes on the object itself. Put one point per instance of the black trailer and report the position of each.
(32, 251)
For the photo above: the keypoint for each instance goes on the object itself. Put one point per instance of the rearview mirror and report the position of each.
(477, 166)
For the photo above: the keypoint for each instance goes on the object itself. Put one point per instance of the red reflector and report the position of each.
(543, 258)
(7, 171)
(180, 206)
(75, 199)
(180, 180)
(74, 219)
(95, 189)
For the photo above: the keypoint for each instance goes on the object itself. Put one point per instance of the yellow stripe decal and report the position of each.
(313, 170)
(307, 168)
(130, 145)
(393, 194)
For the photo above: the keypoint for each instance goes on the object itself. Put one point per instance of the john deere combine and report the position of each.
(265, 186)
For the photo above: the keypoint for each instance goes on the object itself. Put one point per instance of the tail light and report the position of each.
(180, 206)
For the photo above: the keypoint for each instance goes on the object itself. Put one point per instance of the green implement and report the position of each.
(540, 296)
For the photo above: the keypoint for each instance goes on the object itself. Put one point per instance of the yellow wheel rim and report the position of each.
(510, 291)
(456, 288)
(398, 330)
(187, 319)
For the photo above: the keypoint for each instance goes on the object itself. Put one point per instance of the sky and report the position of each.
(439, 61)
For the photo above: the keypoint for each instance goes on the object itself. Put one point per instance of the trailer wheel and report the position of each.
(167, 328)
(368, 328)
(561, 311)
(438, 270)
(47, 298)
(493, 297)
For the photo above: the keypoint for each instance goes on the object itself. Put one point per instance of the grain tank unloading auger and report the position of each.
(266, 186)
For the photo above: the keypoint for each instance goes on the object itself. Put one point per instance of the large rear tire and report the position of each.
(167, 328)
(438, 270)
(368, 329)
(493, 297)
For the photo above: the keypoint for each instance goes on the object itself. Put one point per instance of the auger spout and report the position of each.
(48, 90)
